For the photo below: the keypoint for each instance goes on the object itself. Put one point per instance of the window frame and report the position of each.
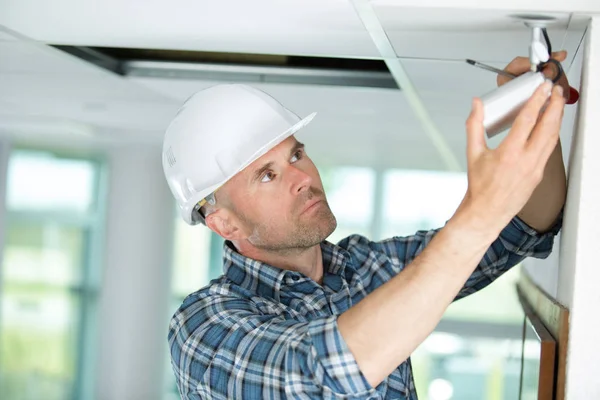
(93, 225)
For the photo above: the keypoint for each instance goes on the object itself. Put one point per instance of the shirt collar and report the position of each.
(267, 280)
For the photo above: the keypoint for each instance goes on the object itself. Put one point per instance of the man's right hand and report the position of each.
(384, 328)
(502, 180)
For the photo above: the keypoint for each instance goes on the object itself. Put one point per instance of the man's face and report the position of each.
(279, 200)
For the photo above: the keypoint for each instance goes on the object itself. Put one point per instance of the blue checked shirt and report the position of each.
(259, 332)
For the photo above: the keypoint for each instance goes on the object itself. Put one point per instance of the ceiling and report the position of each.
(48, 95)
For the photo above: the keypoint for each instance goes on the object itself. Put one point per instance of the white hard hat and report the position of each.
(217, 133)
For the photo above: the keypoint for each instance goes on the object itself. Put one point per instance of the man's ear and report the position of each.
(224, 224)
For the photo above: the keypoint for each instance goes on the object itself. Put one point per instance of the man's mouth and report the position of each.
(311, 205)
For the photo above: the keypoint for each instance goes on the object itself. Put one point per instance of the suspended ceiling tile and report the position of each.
(6, 35)
(380, 109)
(353, 126)
(362, 142)
(452, 34)
(450, 77)
(446, 89)
(20, 54)
(302, 99)
(372, 151)
(133, 119)
(140, 116)
(584, 6)
(295, 27)
(27, 58)
(32, 87)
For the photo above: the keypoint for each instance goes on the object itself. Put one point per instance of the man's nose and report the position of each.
(300, 180)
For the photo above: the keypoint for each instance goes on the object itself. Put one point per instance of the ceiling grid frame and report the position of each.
(371, 22)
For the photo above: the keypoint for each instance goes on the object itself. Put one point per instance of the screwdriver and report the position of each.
(490, 68)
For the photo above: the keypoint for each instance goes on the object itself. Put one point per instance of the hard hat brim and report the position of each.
(189, 211)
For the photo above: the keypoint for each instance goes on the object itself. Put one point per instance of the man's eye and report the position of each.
(297, 156)
(268, 177)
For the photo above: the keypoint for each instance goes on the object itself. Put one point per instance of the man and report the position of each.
(296, 316)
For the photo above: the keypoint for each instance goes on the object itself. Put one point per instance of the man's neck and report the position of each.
(306, 261)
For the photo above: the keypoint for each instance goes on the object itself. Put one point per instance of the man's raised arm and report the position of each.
(385, 328)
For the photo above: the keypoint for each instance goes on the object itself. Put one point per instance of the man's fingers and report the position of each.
(475, 131)
(570, 94)
(546, 133)
(527, 118)
(559, 55)
(520, 65)
(517, 66)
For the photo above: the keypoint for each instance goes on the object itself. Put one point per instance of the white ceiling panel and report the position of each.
(21, 55)
(293, 27)
(108, 102)
(5, 35)
(354, 126)
(456, 77)
(77, 87)
(302, 99)
(454, 34)
(25, 58)
(584, 6)
(45, 90)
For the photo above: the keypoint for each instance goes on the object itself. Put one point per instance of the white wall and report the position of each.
(546, 272)
(579, 274)
(136, 283)
(572, 275)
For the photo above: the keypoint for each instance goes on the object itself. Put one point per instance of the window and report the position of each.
(191, 258)
(52, 234)
(451, 366)
(350, 194)
(415, 200)
(475, 350)
(197, 258)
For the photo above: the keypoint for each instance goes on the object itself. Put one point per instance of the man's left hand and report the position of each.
(521, 65)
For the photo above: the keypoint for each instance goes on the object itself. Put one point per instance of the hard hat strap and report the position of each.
(210, 199)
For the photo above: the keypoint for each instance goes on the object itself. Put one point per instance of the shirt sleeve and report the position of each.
(515, 242)
(221, 348)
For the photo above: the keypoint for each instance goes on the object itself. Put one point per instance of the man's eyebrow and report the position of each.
(256, 176)
(297, 146)
(259, 172)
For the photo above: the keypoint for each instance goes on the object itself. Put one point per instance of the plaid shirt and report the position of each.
(259, 332)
